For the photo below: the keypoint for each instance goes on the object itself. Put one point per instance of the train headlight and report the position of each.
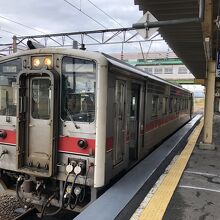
(41, 61)
(48, 61)
(36, 62)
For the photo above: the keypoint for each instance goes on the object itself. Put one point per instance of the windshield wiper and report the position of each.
(71, 119)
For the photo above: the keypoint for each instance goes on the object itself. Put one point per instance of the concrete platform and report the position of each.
(198, 193)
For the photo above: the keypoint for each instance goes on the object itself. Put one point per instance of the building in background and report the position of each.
(165, 65)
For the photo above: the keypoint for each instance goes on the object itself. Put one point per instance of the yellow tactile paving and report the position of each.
(156, 207)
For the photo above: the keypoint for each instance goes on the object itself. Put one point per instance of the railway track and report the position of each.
(27, 214)
(8, 205)
(10, 209)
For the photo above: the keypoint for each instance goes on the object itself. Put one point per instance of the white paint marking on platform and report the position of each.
(199, 188)
(201, 173)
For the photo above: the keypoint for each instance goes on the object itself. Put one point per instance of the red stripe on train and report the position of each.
(66, 144)
(159, 122)
(10, 137)
(69, 144)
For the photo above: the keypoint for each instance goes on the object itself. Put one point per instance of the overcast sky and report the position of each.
(55, 16)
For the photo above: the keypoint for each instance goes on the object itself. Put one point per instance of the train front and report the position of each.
(53, 125)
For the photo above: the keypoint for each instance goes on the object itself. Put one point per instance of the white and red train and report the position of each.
(71, 120)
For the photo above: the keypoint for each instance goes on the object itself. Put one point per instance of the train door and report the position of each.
(37, 124)
(39, 121)
(119, 121)
(134, 122)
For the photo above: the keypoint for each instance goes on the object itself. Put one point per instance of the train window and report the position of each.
(164, 107)
(184, 102)
(8, 97)
(180, 104)
(155, 100)
(170, 105)
(133, 106)
(160, 105)
(41, 98)
(175, 105)
(78, 89)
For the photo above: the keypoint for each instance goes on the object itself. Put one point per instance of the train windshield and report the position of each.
(8, 74)
(78, 89)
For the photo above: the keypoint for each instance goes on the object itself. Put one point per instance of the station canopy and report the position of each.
(187, 40)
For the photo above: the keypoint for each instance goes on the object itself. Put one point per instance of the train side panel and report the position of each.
(160, 110)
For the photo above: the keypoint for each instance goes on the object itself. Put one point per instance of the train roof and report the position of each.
(93, 55)
(138, 71)
(54, 50)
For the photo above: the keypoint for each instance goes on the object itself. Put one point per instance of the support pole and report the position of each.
(207, 143)
(14, 44)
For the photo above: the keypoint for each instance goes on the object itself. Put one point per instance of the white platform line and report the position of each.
(201, 173)
(199, 188)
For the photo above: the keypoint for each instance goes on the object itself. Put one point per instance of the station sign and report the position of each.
(218, 64)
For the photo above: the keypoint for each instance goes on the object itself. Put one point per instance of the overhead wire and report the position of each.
(21, 24)
(7, 31)
(80, 10)
(109, 16)
(72, 5)
(5, 48)
(83, 12)
(120, 25)
(26, 26)
(105, 13)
